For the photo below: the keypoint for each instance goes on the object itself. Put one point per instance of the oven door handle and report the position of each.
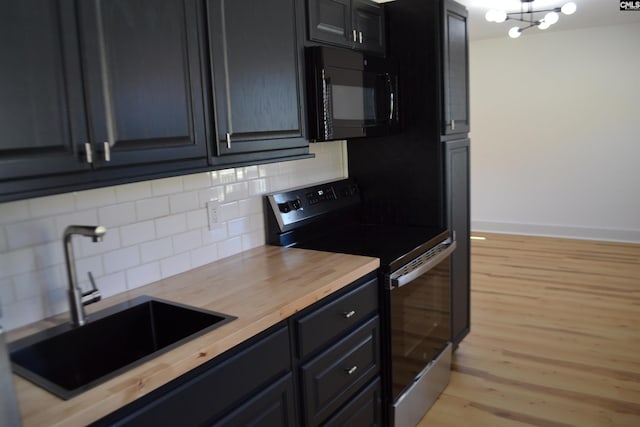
(413, 274)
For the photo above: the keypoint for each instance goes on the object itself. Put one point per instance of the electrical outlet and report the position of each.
(212, 213)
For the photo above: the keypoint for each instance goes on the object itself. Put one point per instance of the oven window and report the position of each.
(420, 324)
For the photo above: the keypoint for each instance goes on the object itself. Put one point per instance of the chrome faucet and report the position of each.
(77, 298)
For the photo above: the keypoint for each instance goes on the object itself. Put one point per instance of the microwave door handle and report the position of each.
(391, 97)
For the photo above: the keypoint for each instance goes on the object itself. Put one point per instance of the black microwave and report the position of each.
(349, 94)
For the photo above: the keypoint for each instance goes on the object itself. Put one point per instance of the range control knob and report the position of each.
(291, 205)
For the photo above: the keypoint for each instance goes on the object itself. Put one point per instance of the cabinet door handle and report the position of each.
(352, 370)
(228, 140)
(107, 151)
(88, 150)
(360, 35)
(453, 125)
(349, 314)
(355, 36)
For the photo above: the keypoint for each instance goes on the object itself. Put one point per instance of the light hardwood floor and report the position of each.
(555, 337)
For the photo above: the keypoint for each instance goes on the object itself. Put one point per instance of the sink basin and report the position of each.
(67, 361)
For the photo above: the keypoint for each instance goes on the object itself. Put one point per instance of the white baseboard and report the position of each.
(586, 233)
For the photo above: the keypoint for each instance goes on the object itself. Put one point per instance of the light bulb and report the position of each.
(543, 25)
(499, 16)
(569, 8)
(490, 15)
(514, 32)
(551, 18)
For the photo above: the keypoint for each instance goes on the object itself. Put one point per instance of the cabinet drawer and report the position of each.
(364, 410)
(334, 319)
(331, 379)
(210, 390)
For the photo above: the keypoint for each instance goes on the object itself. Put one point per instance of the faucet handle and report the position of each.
(92, 295)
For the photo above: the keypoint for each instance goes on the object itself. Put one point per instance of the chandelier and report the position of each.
(529, 17)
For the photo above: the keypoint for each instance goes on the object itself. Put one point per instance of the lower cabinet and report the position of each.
(289, 375)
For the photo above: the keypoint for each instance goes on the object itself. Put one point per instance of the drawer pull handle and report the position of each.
(349, 314)
(352, 370)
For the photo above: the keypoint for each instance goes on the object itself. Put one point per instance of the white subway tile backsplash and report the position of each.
(137, 233)
(197, 219)
(156, 249)
(155, 207)
(170, 225)
(121, 259)
(239, 226)
(166, 186)
(133, 192)
(112, 284)
(230, 247)
(52, 205)
(117, 215)
(95, 198)
(175, 264)
(204, 255)
(142, 275)
(183, 202)
(228, 211)
(17, 262)
(196, 181)
(187, 241)
(14, 211)
(30, 233)
(217, 233)
(155, 229)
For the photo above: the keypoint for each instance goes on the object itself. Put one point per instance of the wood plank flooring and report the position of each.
(555, 336)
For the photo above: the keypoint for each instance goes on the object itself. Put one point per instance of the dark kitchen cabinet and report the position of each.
(357, 24)
(42, 122)
(251, 380)
(457, 215)
(94, 88)
(255, 71)
(455, 67)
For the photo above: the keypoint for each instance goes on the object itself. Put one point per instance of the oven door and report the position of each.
(420, 303)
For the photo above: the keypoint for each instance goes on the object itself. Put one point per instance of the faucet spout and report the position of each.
(78, 299)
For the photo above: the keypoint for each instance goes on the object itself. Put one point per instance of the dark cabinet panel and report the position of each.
(41, 106)
(272, 407)
(457, 194)
(255, 74)
(368, 22)
(362, 411)
(455, 81)
(330, 22)
(357, 24)
(144, 92)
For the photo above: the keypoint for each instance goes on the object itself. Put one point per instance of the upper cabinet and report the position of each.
(255, 72)
(455, 63)
(42, 123)
(142, 78)
(357, 24)
(96, 84)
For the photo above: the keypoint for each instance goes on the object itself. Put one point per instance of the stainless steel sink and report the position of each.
(68, 360)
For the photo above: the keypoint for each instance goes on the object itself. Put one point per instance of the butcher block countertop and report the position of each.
(261, 287)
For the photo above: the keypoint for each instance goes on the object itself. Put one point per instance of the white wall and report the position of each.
(555, 121)
(155, 229)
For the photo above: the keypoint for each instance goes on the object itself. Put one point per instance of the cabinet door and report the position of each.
(456, 70)
(142, 74)
(41, 108)
(368, 24)
(330, 22)
(255, 75)
(457, 193)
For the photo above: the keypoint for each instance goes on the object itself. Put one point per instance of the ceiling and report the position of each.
(590, 13)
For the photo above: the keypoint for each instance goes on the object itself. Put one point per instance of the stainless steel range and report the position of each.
(415, 296)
